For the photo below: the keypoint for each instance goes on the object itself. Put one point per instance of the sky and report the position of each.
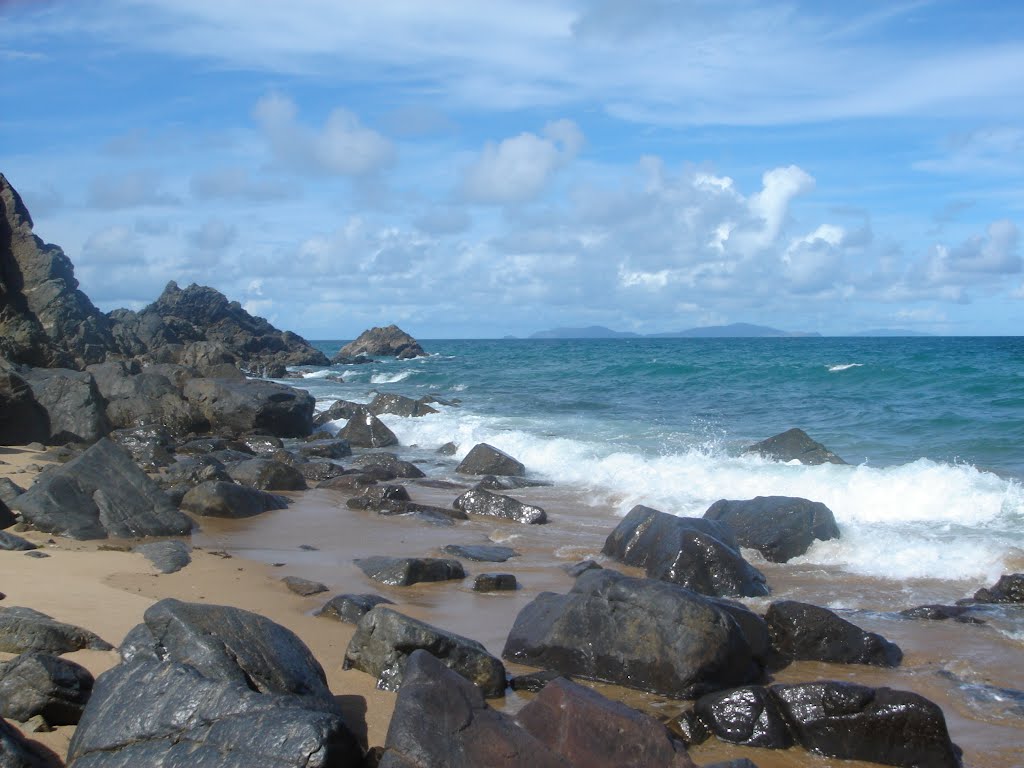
(482, 168)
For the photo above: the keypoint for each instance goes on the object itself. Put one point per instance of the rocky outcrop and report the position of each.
(639, 633)
(75, 410)
(200, 326)
(391, 341)
(801, 631)
(213, 685)
(384, 639)
(779, 527)
(42, 684)
(45, 321)
(484, 459)
(99, 494)
(251, 407)
(24, 630)
(480, 502)
(267, 475)
(695, 553)
(794, 445)
(149, 397)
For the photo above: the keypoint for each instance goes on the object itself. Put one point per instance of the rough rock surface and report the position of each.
(39, 683)
(779, 527)
(99, 494)
(45, 320)
(364, 430)
(22, 419)
(212, 685)
(166, 556)
(486, 553)
(695, 553)
(1009, 589)
(390, 463)
(350, 608)
(749, 715)
(441, 719)
(74, 407)
(405, 571)
(794, 444)
(303, 587)
(639, 633)
(484, 459)
(221, 499)
(481, 502)
(252, 406)
(391, 341)
(23, 630)
(399, 405)
(384, 639)
(802, 631)
(267, 475)
(590, 730)
(144, 398)
(150, 446)
(495, 582)
(17, 752)
(12, 543)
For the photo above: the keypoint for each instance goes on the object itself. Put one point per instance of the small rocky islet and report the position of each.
(163, 417)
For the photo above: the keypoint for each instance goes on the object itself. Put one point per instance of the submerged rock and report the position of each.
(405, 571)
(1009, 589)
(794, 444)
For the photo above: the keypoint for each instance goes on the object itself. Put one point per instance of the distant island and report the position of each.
(733, 330)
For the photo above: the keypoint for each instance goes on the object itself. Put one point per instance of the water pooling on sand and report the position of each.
(931, 506)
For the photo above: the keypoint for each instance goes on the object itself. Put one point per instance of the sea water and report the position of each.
(932, 430)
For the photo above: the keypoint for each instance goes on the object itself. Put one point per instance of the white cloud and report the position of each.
(996, 253)
(342, 147)
(814, 262)
(214, 235)
(518, 169)
(129, 190)
(237, 183)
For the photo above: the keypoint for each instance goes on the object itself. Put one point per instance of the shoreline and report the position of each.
(102, 587)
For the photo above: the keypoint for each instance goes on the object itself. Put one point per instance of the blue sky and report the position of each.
(479, 168)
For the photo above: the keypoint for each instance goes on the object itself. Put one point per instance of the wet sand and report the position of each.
(107, 591)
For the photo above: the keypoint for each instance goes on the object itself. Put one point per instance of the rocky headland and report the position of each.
(153, 430)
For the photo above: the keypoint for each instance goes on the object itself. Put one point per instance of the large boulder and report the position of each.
(484, 459)
(481, 502)
(251, 406)
(794, 445)
(877, 725)
(17, 752)
(639, 633)
(217, 498)
(150, 446)
(391, 341)
(146, 398)
(1009, 589)
(364, 430)
(384, 639)
(350, 608)
(44, 319)
(779, 527)
(267, 475)
(75, 409)
(590, 730)
(22, 419)
(441, 719)
(695, 553)
(399, 405)
(749, 715)
(101, 493)
(42, 684)
(805, 632)
(213, 685)
(23, 630)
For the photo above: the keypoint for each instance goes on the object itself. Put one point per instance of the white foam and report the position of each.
(323, 373)
(390, 378)
(844, 367)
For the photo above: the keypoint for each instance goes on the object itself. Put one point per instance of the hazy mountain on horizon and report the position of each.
(590, 332)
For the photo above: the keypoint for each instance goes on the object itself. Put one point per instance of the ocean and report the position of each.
(932, 430)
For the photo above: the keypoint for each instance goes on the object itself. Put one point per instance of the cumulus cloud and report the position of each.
(129, 190)
(518, 169)
(343, 146)
(996, 253)
(814, 262)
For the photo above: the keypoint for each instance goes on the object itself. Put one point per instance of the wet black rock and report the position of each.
(267, 475)
(399, 405)
(779, 527)
(223, 499)
(23, 630)
(695, 553)
(495, 582)
(326, 449)
(384, 639)
(794, 444)
(480, 502)
(404, 571)
(486, 553)
(38, 683)
(959, 613)
(76, 412)
(166, 556)
(390, 463)
(251, 406)
(364, 430)
(484, 459)
(749, 715)
(351, 608)
(801, 631)
(1009, 589)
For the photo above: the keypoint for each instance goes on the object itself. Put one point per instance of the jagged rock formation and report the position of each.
(45, 321)
(381, 342)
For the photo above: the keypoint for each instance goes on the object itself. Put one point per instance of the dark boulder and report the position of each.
(99, 494)
(534, 681)
(779, 527)
(303, 587)
(386, 499)
(794, 444)
(326, 449)
(391, 341)
(484, 459)
(252, 406)
(805, 632)
(348, 481)
(390, 463)
(480, 502)
(150, 446)
(695, 553)
(342, 409)
(17, 752)
(22, 419)
(1009, 589)
(384, 639)
(505, 483)
(590, 730)
(262, 445)
(39, 683)
(74, 407)
(486, 553)
(11, 543)
(578, 569)
(7, 518)
(639, 633)
(142, 398)
(351, 608)
(166, 556)
(399, 405)
(9, 490)
(222, 499)
(364, 430)
(495, 582)
(749, 716)
(193, 470)
(959, 613)
(878, 725)
(319, 471)
(23, 630)
(405, 571)
(267, 475)
(441, 719)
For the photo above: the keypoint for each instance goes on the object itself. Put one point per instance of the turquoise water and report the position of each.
(932, 429)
